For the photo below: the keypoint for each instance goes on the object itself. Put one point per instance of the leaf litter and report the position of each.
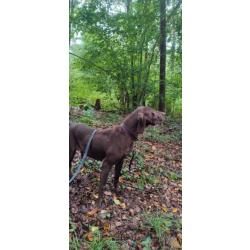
(154, 186)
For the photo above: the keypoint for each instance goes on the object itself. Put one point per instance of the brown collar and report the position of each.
(132, 135)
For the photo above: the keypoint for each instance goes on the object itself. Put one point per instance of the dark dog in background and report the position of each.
(112, 145)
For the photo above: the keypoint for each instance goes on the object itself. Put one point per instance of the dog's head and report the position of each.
(148, 116)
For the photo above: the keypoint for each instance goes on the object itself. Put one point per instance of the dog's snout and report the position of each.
(160, 116)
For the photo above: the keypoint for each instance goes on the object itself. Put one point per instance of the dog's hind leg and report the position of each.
(71, 157)
(72, 151)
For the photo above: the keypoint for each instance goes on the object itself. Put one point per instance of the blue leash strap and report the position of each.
(81, 162)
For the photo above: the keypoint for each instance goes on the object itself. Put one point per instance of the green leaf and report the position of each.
(116, 201)
(94, 229)
(146, 243)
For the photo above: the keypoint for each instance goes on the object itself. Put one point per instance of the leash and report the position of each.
(81, 162)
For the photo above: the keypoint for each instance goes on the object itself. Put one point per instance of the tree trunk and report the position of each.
(98, 104)
(173, 46)
(133, 88)
(71, 5)
(162, 88)
(128, 5)
(132, 67)
(172, 69)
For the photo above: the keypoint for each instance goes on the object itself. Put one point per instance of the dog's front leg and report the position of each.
(118, 168)
(106, 167)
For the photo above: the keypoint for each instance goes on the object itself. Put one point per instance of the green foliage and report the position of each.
(159, 223)
(147, 243)
(92, 165)
(111, 244)
(173, 176)
(88, 117)
(174, 101)
(111, 118)
(145, 179)
(141, 183)
(119, 54)
(100, 243)
(155, 134)
(91, 118)
(97, 243)
(160, 134)
(139, 160)
(74, 243)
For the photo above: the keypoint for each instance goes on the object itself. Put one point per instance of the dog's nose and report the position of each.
(160, 117)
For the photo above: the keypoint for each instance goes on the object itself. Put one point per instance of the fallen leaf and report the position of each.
(175, 210)
(123, 205)
(137, 209)
(175, 243)
(104, 214)
(107, 193)
(116, 201)
(118, 223)
(94, 229)
(131, 212)
(92, 212)
(121, 179)
(179, 237)
(89, 236)
(74, 210)
(137, 174)
(164, 209)
(124, 217)
(103, 211)
(106, 227)
(153, 148)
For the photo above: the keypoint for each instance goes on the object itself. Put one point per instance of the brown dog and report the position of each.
(112, 145)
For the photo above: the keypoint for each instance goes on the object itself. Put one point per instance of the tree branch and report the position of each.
(98, 67)
(173, 10)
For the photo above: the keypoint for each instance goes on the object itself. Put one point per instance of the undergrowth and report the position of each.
(74, 242)
(100, 243)
(162, 224)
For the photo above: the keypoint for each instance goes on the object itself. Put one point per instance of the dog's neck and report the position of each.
(134, 136)
(130, 125)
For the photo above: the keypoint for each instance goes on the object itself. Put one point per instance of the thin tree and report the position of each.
(162, 87)
(72, 4)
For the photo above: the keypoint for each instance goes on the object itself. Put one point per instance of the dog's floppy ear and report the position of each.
(141, 124)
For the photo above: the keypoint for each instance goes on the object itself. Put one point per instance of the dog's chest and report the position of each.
(127, 149)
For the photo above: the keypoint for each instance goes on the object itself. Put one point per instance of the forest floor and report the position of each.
(147, 214)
